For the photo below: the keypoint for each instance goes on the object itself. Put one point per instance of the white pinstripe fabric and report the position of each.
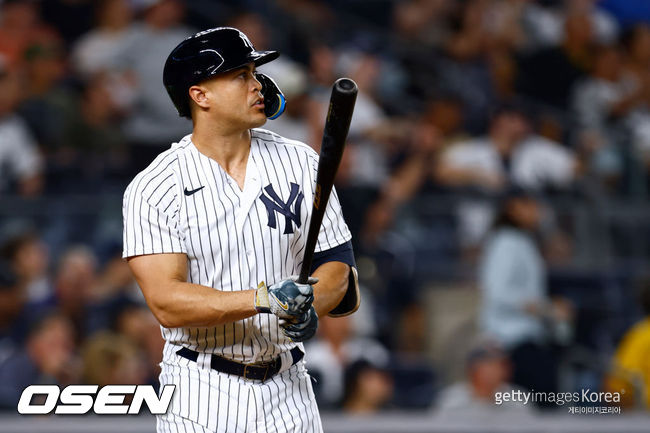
(226, 235)
(227, 403)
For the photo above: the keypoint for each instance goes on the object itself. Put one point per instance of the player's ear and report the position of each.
(198, 94)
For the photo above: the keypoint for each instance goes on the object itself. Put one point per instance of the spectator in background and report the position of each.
(636, 42)
(74, 281)
(332, 352)
(48, 357)
(637, 63)
(393, 255)
(19, 23)
(414, 148)
(309, 20)
(48, 102)
(136, 323)
(445, 113)
(323, 71)
(630, 372)
(544, 21)
(21, 164)
(96, 50)
(92, 296)
(93, 156)
(374, 139)
(485, 166)
(294, 84)
(29, 259)
(488, 371)
(602, 103)
(465, 70)
(153, 122)
(116, 280)
(606, 94)
(516, 308)
(256, 27)
(366, 162)
(422, 22)
(604, 25)
(12, 303)
(71, 17)
(112, 359)
(368, 388)
(548, 75)
(290, 76)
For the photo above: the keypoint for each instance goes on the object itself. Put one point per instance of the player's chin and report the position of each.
(258, 120)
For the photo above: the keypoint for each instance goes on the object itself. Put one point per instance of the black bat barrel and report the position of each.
(337, 125)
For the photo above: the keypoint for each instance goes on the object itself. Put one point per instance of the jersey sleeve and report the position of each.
(333, 231)
(151, 218)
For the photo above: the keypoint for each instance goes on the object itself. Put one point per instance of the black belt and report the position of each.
(261, 371)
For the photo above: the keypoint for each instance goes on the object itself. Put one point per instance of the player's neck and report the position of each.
(229, 149)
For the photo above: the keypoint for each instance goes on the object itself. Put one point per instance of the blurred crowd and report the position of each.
(478, 124)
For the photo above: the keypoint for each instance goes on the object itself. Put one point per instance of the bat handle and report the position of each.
(304, 270)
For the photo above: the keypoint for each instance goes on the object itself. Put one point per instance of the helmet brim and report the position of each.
(262, 57)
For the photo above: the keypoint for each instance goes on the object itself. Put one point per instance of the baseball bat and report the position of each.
(337, 124)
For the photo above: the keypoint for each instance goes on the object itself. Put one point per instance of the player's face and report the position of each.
(235, 99)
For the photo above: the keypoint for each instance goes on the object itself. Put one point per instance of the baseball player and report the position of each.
(214, 232)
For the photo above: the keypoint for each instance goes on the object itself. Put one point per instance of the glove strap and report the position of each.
(262, 298)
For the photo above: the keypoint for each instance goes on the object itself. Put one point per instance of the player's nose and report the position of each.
(257, 86)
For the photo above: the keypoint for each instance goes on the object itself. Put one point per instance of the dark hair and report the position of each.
(352, 374)
(41, 319)
(504, 218)
(513, 107)
(629, 35)
(11, 246)
(8, 278)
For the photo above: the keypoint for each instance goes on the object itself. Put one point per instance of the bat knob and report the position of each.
(345, 85)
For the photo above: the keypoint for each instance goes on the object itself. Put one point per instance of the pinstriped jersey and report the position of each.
(185, 202)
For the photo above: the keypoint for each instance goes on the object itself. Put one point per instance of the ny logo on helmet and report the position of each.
(275, 204)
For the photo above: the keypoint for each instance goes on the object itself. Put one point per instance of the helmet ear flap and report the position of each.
(274, 100)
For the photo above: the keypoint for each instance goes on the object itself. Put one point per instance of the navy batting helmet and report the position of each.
(204, 55)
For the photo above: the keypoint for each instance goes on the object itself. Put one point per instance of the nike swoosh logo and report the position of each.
(190, 192)
(284, 306)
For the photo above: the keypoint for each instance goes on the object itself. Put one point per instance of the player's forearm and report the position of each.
(331, 286)
(189, 304)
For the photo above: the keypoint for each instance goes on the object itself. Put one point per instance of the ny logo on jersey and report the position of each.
(275, 204)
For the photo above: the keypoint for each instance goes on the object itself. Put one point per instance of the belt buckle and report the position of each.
(245, 375)
(266, 372)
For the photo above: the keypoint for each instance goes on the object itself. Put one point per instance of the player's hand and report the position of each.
(287, 299)
(301, 329)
